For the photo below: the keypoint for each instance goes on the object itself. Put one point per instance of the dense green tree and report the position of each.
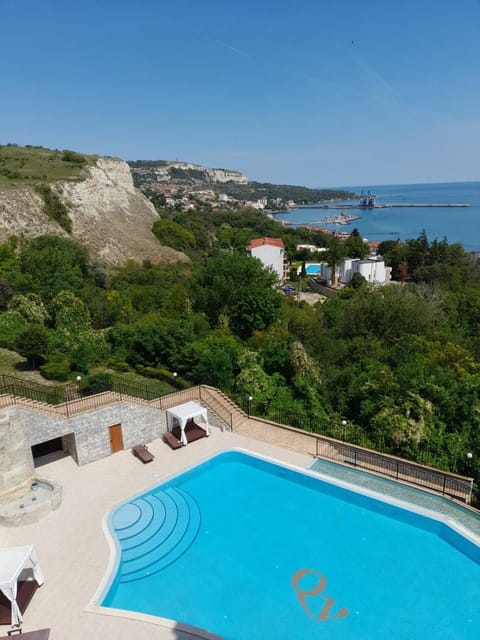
(70, 313)
(173, 235)
(30, 307)
(213, 360)
(12, 323)
(55, 264)
(32, 343)
(336, 251)
(239, 288)
(355, 246)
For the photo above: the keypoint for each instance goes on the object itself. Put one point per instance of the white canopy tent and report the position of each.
(182, 413)
(12, 561)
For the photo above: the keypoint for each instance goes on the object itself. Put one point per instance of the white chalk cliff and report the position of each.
(109, 215)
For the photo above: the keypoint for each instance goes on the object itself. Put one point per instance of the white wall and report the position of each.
(270, 256)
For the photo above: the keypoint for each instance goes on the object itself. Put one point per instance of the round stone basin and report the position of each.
(44, 496)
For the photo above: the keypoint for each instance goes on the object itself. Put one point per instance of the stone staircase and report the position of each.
(223, 407)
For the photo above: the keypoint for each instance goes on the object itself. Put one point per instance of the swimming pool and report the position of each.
(251, 550)
(313, 269)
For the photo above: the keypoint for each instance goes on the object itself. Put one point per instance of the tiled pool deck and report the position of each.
(74, 551)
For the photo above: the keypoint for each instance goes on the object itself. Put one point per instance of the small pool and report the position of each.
(251, 550)
(313, 269)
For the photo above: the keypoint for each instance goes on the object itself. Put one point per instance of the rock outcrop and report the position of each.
(109, 215)
(150, 172)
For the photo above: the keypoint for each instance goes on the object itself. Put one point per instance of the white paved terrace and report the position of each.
(72, 547)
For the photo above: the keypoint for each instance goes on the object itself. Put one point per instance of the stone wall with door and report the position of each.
(86, 437)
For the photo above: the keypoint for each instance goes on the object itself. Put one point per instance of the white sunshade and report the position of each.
(12, 561)
(182, 413)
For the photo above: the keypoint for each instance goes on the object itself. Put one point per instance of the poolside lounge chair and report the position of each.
(40, 634)
(172, 441)
(142, 453)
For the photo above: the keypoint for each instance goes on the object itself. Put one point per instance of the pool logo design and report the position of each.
(302, 594)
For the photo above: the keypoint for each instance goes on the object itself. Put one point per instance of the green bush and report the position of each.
(73, 157)
(96, 383)
(54, 208)
(121, 366)
(12, 323)
(57, 368)
(166, 376)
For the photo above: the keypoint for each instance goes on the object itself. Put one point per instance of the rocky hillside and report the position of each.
(99, 206)
(171, 178)
(147, 173)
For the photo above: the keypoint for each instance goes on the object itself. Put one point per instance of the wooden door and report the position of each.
(116, 439)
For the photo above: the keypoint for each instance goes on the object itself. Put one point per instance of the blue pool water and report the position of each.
(312, 269)
(250, 550)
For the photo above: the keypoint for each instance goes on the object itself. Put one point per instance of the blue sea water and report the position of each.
(455, 224)
(252, 551)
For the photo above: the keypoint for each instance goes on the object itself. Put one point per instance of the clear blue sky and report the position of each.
(314, 92)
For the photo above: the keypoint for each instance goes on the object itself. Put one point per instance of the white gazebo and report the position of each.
(13, 560)
(180, 415)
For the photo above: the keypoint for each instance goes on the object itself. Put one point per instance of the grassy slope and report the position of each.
(20, 166)
(12, 364)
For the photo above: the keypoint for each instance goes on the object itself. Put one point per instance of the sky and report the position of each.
(320, 93)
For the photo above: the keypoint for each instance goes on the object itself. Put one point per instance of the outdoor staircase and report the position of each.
(223, 407)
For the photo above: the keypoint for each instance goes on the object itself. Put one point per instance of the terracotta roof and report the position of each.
(258, 242)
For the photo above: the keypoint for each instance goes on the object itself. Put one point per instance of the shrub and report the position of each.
(73, 157)
(57, 368)
(54, 208)
(166, 376)
(121, 366)
(12, 323)
(96, 383)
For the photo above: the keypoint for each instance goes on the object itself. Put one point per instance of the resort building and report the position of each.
(135, 550)
(271, 253)
(373, 269)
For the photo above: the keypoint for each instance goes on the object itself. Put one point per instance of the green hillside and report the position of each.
(27, 165)
(300, 195)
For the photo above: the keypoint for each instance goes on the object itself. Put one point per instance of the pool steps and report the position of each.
(157, 530)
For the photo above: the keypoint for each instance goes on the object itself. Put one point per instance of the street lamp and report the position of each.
(469, 461)
(249, 405)
(344, 425)
(470, 472)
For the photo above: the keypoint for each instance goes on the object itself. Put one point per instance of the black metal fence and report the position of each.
(396, 468)
(347, 443)
(50, 394)
(56, 394)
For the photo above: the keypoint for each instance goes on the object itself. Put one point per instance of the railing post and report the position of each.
(444, 484)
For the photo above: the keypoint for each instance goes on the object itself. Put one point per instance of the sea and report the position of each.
(460, 224)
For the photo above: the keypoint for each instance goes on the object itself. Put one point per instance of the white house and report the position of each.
(373, 269)
(271, 252)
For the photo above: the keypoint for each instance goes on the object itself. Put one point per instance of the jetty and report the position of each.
(369, 201)
(378, 205)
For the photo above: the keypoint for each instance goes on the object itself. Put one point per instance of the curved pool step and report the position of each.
(127, 526)
(164, 539)
(159, 529)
